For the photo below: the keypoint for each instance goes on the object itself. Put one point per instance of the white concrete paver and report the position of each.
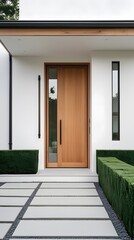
(66, 228)
(47, 178)
(19, 185)
(9, 213)
(68, 185)
(70, 209)
(13, 201)
(61, 201)
(67, 192)
(66, 212)
(16, 192)
(4, 227)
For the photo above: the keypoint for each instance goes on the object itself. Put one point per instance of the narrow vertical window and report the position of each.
(52, 88)
(115, 101)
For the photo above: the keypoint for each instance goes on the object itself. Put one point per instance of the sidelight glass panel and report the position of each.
(52, 88)
(115, 101)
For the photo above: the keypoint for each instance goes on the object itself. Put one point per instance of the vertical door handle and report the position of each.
(60, 132)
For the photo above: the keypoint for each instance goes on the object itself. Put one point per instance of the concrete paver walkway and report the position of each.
(53, 211)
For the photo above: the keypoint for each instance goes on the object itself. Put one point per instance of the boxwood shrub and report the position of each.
(18, 161)
(124, 155)
(117, 181)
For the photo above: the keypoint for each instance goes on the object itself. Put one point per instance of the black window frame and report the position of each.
(117, 136)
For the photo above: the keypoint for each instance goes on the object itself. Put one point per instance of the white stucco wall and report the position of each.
(4, 98)
(25, 104)
(101, 103)
(25, 121)
(76, 10)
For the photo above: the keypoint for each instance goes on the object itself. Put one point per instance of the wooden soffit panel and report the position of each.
(67, 32)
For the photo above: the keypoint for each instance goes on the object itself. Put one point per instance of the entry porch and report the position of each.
(53, 175)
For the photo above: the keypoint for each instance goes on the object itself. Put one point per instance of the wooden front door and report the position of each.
(67, 114)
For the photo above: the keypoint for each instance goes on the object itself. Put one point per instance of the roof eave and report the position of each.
(66, 24)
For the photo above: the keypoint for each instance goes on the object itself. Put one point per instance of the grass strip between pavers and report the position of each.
(117, 181)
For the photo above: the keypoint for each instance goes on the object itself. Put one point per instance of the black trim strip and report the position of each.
(10, 102)
(10, 222)
(67, 24)
(39, 106)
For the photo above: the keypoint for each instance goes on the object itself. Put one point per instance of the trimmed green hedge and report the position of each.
(117, 181)
(18, 161)
(124, 155)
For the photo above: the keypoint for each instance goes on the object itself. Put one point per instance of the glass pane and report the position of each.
(115, 101)
(52, 83)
